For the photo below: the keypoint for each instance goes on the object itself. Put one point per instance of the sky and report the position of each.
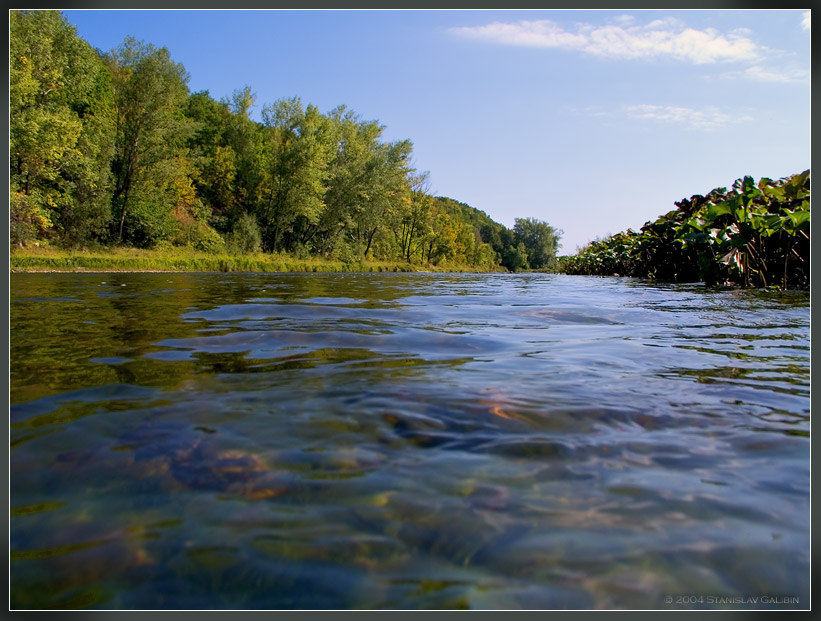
(594, 121)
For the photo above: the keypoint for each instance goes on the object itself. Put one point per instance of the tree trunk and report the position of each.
(370, 239)
(122, 223)
(276, 238)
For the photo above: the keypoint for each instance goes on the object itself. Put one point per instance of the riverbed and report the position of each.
(406, 441)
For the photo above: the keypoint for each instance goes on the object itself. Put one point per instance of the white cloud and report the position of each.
(704, 119)
(624, 20)
(805, 20)
(707, 118)
(768, 74)
(667, 37)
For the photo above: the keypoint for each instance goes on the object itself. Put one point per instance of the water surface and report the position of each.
(365, 441)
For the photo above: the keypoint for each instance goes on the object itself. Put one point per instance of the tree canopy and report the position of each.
(112, 148)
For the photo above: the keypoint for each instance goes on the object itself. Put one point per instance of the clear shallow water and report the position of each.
(342, 441)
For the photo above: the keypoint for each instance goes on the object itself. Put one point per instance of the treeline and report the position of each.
(112, 149)
(757, 234)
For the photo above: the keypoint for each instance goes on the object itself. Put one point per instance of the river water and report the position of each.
(406, 441)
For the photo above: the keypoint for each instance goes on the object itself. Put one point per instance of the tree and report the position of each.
(366, 182)
(348, 180)
(215, 161)
(60, 129)
(245, 139)
(391, 178)
(539, 239)
(295, 156)
(412, 220)
(245, 236)
(113, 147)
(150, 96)
(515, 257)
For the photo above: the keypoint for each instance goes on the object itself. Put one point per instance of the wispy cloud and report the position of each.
(769, 74)
(805, 20)
(622, 39)
(706, 118)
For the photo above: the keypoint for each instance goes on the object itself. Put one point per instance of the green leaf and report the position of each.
(767, 224)
(723, 208)
(698, 238)
(798, 185)
(696, 223)
(799, 217)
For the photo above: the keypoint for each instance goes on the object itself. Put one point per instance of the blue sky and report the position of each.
(594, 121)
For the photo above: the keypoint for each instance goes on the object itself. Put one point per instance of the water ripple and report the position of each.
(404, 441)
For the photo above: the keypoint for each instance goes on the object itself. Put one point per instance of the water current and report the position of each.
(406, 441)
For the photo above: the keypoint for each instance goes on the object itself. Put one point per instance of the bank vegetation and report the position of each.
(111, 150)
(755, 234)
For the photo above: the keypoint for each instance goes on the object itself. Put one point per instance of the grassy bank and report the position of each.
(185, 260)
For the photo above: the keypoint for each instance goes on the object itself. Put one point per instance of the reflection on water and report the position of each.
(368, 441)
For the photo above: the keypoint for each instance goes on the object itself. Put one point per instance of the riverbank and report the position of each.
(185, 260)
(756, 235)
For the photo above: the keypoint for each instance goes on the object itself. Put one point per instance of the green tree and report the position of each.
(366, 183)
(245, 139)
(60, 130)
(515, 257)
(295, 156)
(540, 241)
(245, 236)
(149, 161)
(390, 188)
(460, 228)
(412, 221)
(214, 160)
(441, 238)
(347, 182)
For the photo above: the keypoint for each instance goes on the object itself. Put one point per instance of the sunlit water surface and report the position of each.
(342, 441)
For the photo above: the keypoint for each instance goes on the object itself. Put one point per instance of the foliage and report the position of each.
(539, 239)
(532, 244)
(60, 129)
(295, 155)
(246, 237)
(112, 148)
(753, 235)
(149, 163)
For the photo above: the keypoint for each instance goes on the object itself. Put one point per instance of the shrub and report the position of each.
(246, 236)
(209, 240)
(756, 234)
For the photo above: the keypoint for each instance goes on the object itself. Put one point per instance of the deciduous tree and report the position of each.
(60, 129)
(150, 93)
(539, 239)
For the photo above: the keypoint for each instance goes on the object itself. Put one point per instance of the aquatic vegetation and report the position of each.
(753, 235)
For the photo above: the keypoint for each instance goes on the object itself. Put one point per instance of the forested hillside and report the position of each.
(111, 149)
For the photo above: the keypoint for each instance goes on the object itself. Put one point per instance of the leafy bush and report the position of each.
(27, 219)
(754, 235)
(348, 252)
(209, 240)
(246, 236)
